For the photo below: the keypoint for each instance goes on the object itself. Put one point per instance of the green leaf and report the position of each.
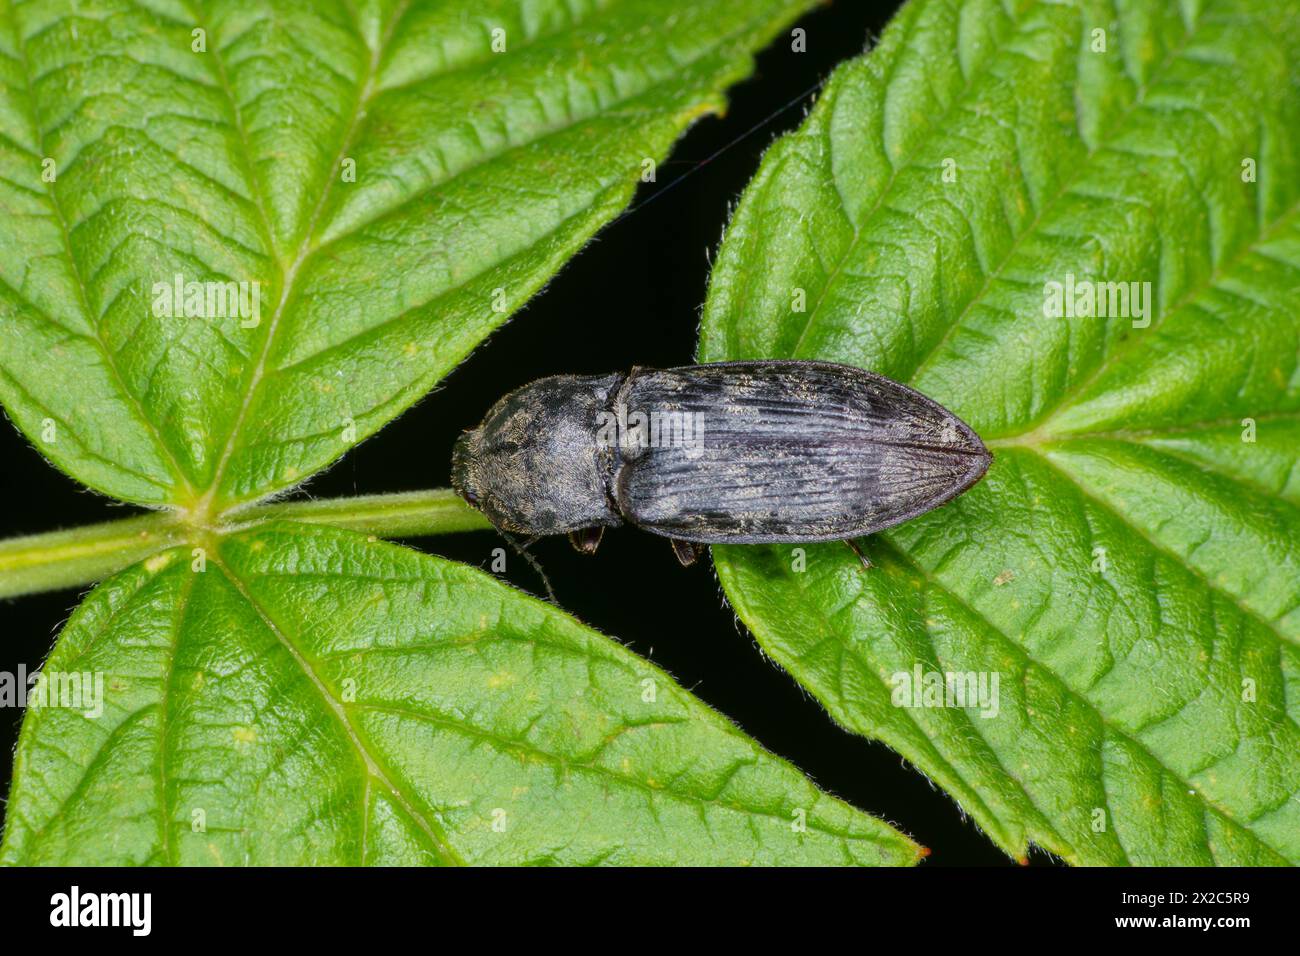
(214, 141)
(1130, 568)
(313, 696)
(275, 692)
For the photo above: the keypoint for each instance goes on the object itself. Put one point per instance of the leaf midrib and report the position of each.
(1212, 280)
(488, 159)
(374, 769)
(210, 506)
(1135, 435)
(164, 810)
(1156, 546)
(488, 637)
(202, 509)
(557, 760)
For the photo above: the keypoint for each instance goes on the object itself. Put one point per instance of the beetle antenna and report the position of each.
(522, 551)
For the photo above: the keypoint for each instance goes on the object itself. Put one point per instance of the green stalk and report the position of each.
(61, 559)
(404, 514)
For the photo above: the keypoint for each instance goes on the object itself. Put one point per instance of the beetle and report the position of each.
(733, 452)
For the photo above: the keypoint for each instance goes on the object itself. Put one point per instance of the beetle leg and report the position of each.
(853, 546)
(586, 540)
(687, 552)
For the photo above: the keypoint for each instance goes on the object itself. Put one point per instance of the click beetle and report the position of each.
(733, 452)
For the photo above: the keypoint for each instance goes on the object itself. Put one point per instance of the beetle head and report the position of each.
(533, 466)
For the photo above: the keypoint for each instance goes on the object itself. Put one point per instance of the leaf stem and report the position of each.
(77, 556)
(60, 559)
(403, 514)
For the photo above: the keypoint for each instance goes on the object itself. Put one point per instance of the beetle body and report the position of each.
(734, 452)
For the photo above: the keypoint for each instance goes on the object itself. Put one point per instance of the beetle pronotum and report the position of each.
(744, 453)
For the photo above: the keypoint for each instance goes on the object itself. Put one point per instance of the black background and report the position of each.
(632, 297)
